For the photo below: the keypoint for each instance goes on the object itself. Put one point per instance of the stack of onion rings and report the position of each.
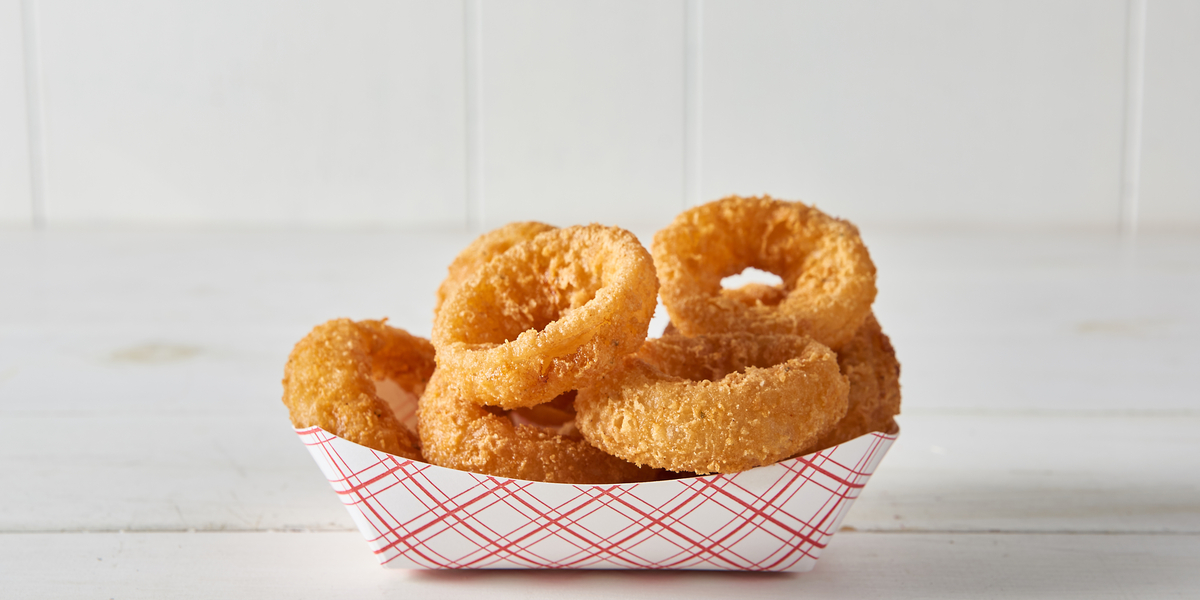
(542, 370)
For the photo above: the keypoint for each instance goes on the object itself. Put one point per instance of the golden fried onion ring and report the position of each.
(715, 403)
(329, 382)
(869, 361)
(549, 315)
(827, 274)
(483, 249)
(459, 434)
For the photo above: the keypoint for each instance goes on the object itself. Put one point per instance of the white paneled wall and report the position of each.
(424, 113)
(1170, 174)
(267, 111)
(16, 201)
(917, 111)
(582, 111)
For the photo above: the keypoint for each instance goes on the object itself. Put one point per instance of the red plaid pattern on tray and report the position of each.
(773, 518)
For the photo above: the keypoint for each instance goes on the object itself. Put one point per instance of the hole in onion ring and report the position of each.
(754, 287)
(659, 322)
(750, 275)
(402, 402)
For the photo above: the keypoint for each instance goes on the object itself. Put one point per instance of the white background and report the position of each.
(420, 113)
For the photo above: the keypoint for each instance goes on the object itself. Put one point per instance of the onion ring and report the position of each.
(329, 382)
(459, 434)
(715, 403)
(483, 249)
(827, 274)
(548, 316)
(869, 362)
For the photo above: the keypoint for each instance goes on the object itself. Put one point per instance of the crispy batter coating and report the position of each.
(483, 249)
(715, 403)
(460, 434)
(549, 315)
(869, 362)
(828, 276)
(756, 294)
(329, 381)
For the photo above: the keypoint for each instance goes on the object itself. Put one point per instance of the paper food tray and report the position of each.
(773, 518)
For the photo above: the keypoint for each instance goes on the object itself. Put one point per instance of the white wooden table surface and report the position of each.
(1049, 444)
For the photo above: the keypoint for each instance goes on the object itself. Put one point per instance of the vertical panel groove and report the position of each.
(34, 113)
(693, 29)
(473, 52)
(1135, 52)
